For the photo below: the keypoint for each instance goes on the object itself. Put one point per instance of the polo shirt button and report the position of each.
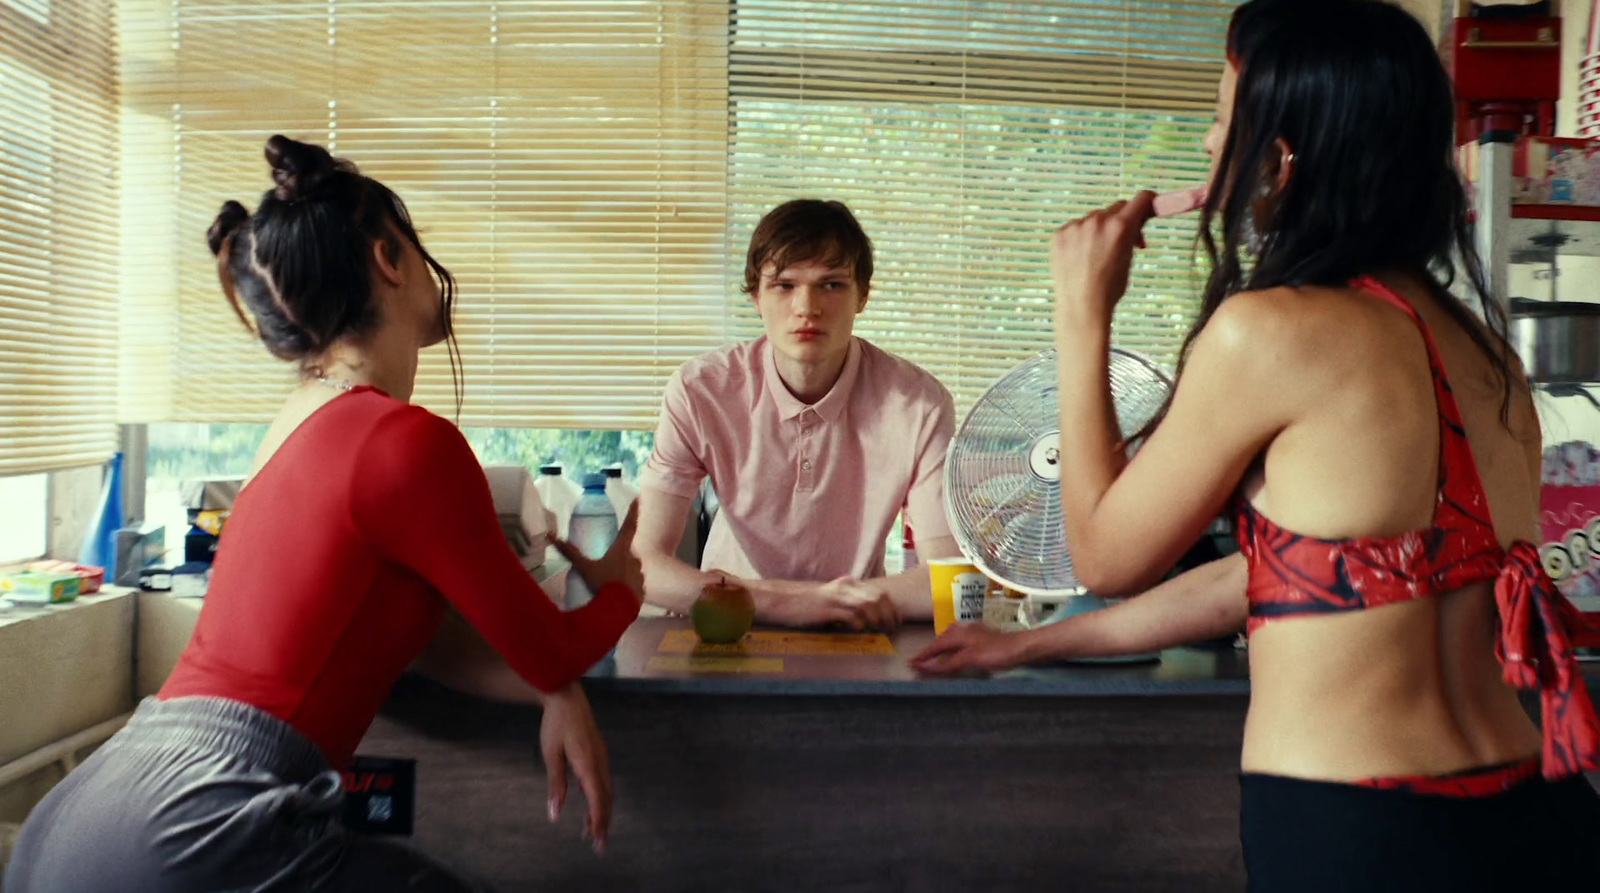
(806, 431)
(805, 465)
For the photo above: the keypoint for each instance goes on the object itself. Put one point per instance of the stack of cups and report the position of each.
(1589, 80)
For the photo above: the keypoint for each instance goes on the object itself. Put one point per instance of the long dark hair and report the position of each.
(302, 262)
(1358, 93)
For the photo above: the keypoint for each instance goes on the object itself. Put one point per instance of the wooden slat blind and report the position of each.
(962, 134)
(591, 170)
(566, 160)
(58, 234)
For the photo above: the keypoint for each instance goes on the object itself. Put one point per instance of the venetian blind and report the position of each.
(566, 160)
(962, 134)
(58, 233)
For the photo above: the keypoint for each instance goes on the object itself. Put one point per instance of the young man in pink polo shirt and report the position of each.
(814, 439)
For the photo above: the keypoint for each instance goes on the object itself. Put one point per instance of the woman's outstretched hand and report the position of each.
(969, 646)
(618, 565)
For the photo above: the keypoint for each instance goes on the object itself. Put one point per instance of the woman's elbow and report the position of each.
(1105, 576)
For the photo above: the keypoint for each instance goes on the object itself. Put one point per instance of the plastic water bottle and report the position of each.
(621, 493)
(593, 529)
(558, 495)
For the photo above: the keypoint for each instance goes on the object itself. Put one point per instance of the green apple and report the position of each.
(723, 613)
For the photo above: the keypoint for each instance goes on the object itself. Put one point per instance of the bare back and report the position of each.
(1411, 688)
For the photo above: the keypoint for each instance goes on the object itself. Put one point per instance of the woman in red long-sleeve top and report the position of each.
(364, 519)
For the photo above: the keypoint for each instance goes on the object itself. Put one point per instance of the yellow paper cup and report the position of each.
(958, 592)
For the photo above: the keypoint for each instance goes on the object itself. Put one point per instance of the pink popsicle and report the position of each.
(1181, 201)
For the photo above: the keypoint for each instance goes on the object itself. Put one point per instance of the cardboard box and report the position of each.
(137, 549)
(209, 494)
(90, 579)
(35, 588)
(521, 511)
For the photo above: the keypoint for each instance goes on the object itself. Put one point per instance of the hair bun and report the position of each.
(232, 216)
(298, 168)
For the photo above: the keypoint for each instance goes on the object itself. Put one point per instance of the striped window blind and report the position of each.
(591, 171)
(962, 134)
(565, 160)
(58, 234)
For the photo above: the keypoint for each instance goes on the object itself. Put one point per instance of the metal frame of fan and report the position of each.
(1002, 475)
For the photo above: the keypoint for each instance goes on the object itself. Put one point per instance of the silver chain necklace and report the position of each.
(337, 384)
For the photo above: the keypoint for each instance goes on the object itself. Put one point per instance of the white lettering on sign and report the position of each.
(1574, 554)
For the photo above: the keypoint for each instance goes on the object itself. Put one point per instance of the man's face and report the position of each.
(809, 310)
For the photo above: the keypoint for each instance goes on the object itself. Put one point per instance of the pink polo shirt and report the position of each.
(808, 492)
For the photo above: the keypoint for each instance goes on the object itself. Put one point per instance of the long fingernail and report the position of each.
(555, 809)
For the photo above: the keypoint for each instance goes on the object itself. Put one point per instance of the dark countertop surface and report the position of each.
(655, 656)
(661, 655)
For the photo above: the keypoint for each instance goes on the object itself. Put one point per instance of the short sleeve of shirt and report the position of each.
(925, 498)
(675, 466)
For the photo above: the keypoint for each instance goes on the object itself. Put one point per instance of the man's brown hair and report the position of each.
(808, 229)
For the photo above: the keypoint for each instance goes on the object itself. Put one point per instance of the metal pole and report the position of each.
(1494, 212)
(135, 459)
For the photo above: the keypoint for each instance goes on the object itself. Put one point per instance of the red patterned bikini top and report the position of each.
(1296, 575)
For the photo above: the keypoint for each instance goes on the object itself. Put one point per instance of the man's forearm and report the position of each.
(670, 583)
(674, 585)
(911, 593)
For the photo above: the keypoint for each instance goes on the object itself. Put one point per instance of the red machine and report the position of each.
(1506, 65)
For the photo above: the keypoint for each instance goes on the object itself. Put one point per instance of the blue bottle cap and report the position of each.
(594, 481)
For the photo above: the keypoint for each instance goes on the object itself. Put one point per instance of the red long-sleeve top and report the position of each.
(338, 562)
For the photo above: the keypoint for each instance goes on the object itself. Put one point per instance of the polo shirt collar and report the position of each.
(832, 404)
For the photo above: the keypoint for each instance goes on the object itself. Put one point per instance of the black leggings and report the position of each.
(1304, 836)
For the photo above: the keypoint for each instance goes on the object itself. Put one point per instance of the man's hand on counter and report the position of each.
(859, 604)
(855, 604)
(846, 602)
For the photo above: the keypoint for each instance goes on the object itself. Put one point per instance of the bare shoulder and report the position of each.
(1264, 331)
(1295, 346)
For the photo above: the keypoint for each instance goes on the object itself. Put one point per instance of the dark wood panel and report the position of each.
(859, 794)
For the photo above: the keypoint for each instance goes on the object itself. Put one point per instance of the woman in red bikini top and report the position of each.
(1379, 447)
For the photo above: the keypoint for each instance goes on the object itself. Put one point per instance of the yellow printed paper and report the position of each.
(694, 663)
(684, 641)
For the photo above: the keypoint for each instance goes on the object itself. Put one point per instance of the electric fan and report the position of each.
(1002, 477)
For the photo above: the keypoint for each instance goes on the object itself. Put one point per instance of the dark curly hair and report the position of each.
(301, 263)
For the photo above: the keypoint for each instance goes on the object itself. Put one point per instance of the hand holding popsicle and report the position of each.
(1090, 258)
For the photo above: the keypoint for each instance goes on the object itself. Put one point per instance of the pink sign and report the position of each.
(1569, 519)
